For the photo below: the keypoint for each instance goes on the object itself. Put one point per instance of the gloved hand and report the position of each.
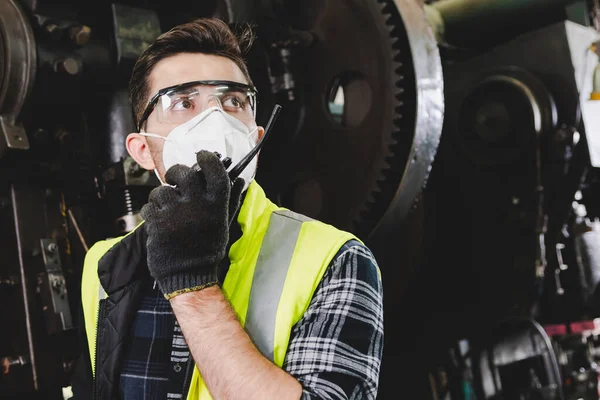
(188, 226)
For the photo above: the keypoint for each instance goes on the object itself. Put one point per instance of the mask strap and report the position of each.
(155, 170)
(153, 135)
(161, 181)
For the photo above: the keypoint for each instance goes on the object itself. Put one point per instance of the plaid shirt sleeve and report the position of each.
(335, 350)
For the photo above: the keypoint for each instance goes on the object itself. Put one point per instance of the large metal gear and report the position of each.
(362, 168)
(417, 119)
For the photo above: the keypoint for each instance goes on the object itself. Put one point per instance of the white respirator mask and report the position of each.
(213, 130)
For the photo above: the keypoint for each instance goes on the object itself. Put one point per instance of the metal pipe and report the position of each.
(474, 23)
(79, 234)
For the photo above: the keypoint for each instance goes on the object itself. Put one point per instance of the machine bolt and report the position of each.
(53, 30)
(57, 285)
(80, 34)
(68, 66)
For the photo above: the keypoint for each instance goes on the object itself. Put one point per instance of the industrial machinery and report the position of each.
(456, 137)
(511, 193)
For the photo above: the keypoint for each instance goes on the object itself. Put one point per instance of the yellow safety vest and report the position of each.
(275, 269)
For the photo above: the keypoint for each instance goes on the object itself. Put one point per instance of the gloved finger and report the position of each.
(214, 171)
(163, 196)
(178, 174)
(148, 211)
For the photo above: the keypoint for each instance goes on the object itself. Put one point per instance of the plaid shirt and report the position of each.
(334, 351)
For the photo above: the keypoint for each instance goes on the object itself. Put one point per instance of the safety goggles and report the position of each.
(180, 103)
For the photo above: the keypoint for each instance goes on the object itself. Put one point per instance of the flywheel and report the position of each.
(373, 95)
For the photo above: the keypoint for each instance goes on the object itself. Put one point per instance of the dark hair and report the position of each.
(204, 35)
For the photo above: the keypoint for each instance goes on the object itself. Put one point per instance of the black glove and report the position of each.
(188, 226)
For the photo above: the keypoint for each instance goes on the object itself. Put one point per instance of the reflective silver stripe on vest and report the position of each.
(269, 276)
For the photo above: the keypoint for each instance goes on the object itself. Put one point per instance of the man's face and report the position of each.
(175, 70)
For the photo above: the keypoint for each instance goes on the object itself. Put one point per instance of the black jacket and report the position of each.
(122, 272)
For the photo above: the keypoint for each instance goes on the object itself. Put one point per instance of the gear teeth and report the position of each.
(388, 167)
(384, 163)
(386, 14)
(370, 198)
(365, 210)
(392, 143)
(385, 9)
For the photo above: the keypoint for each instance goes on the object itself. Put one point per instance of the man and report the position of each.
(220, 293)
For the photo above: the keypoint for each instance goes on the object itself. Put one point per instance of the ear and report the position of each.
(138, 149)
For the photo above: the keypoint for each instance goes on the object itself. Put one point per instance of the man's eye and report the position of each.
(183, 104)
(233, 102)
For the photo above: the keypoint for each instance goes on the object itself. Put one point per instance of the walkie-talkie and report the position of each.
(243, 163)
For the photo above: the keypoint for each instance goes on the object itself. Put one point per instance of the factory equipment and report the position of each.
(513, 176)
(452, 136)
(67, 180)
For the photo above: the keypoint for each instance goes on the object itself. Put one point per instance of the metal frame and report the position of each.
(18, 51)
